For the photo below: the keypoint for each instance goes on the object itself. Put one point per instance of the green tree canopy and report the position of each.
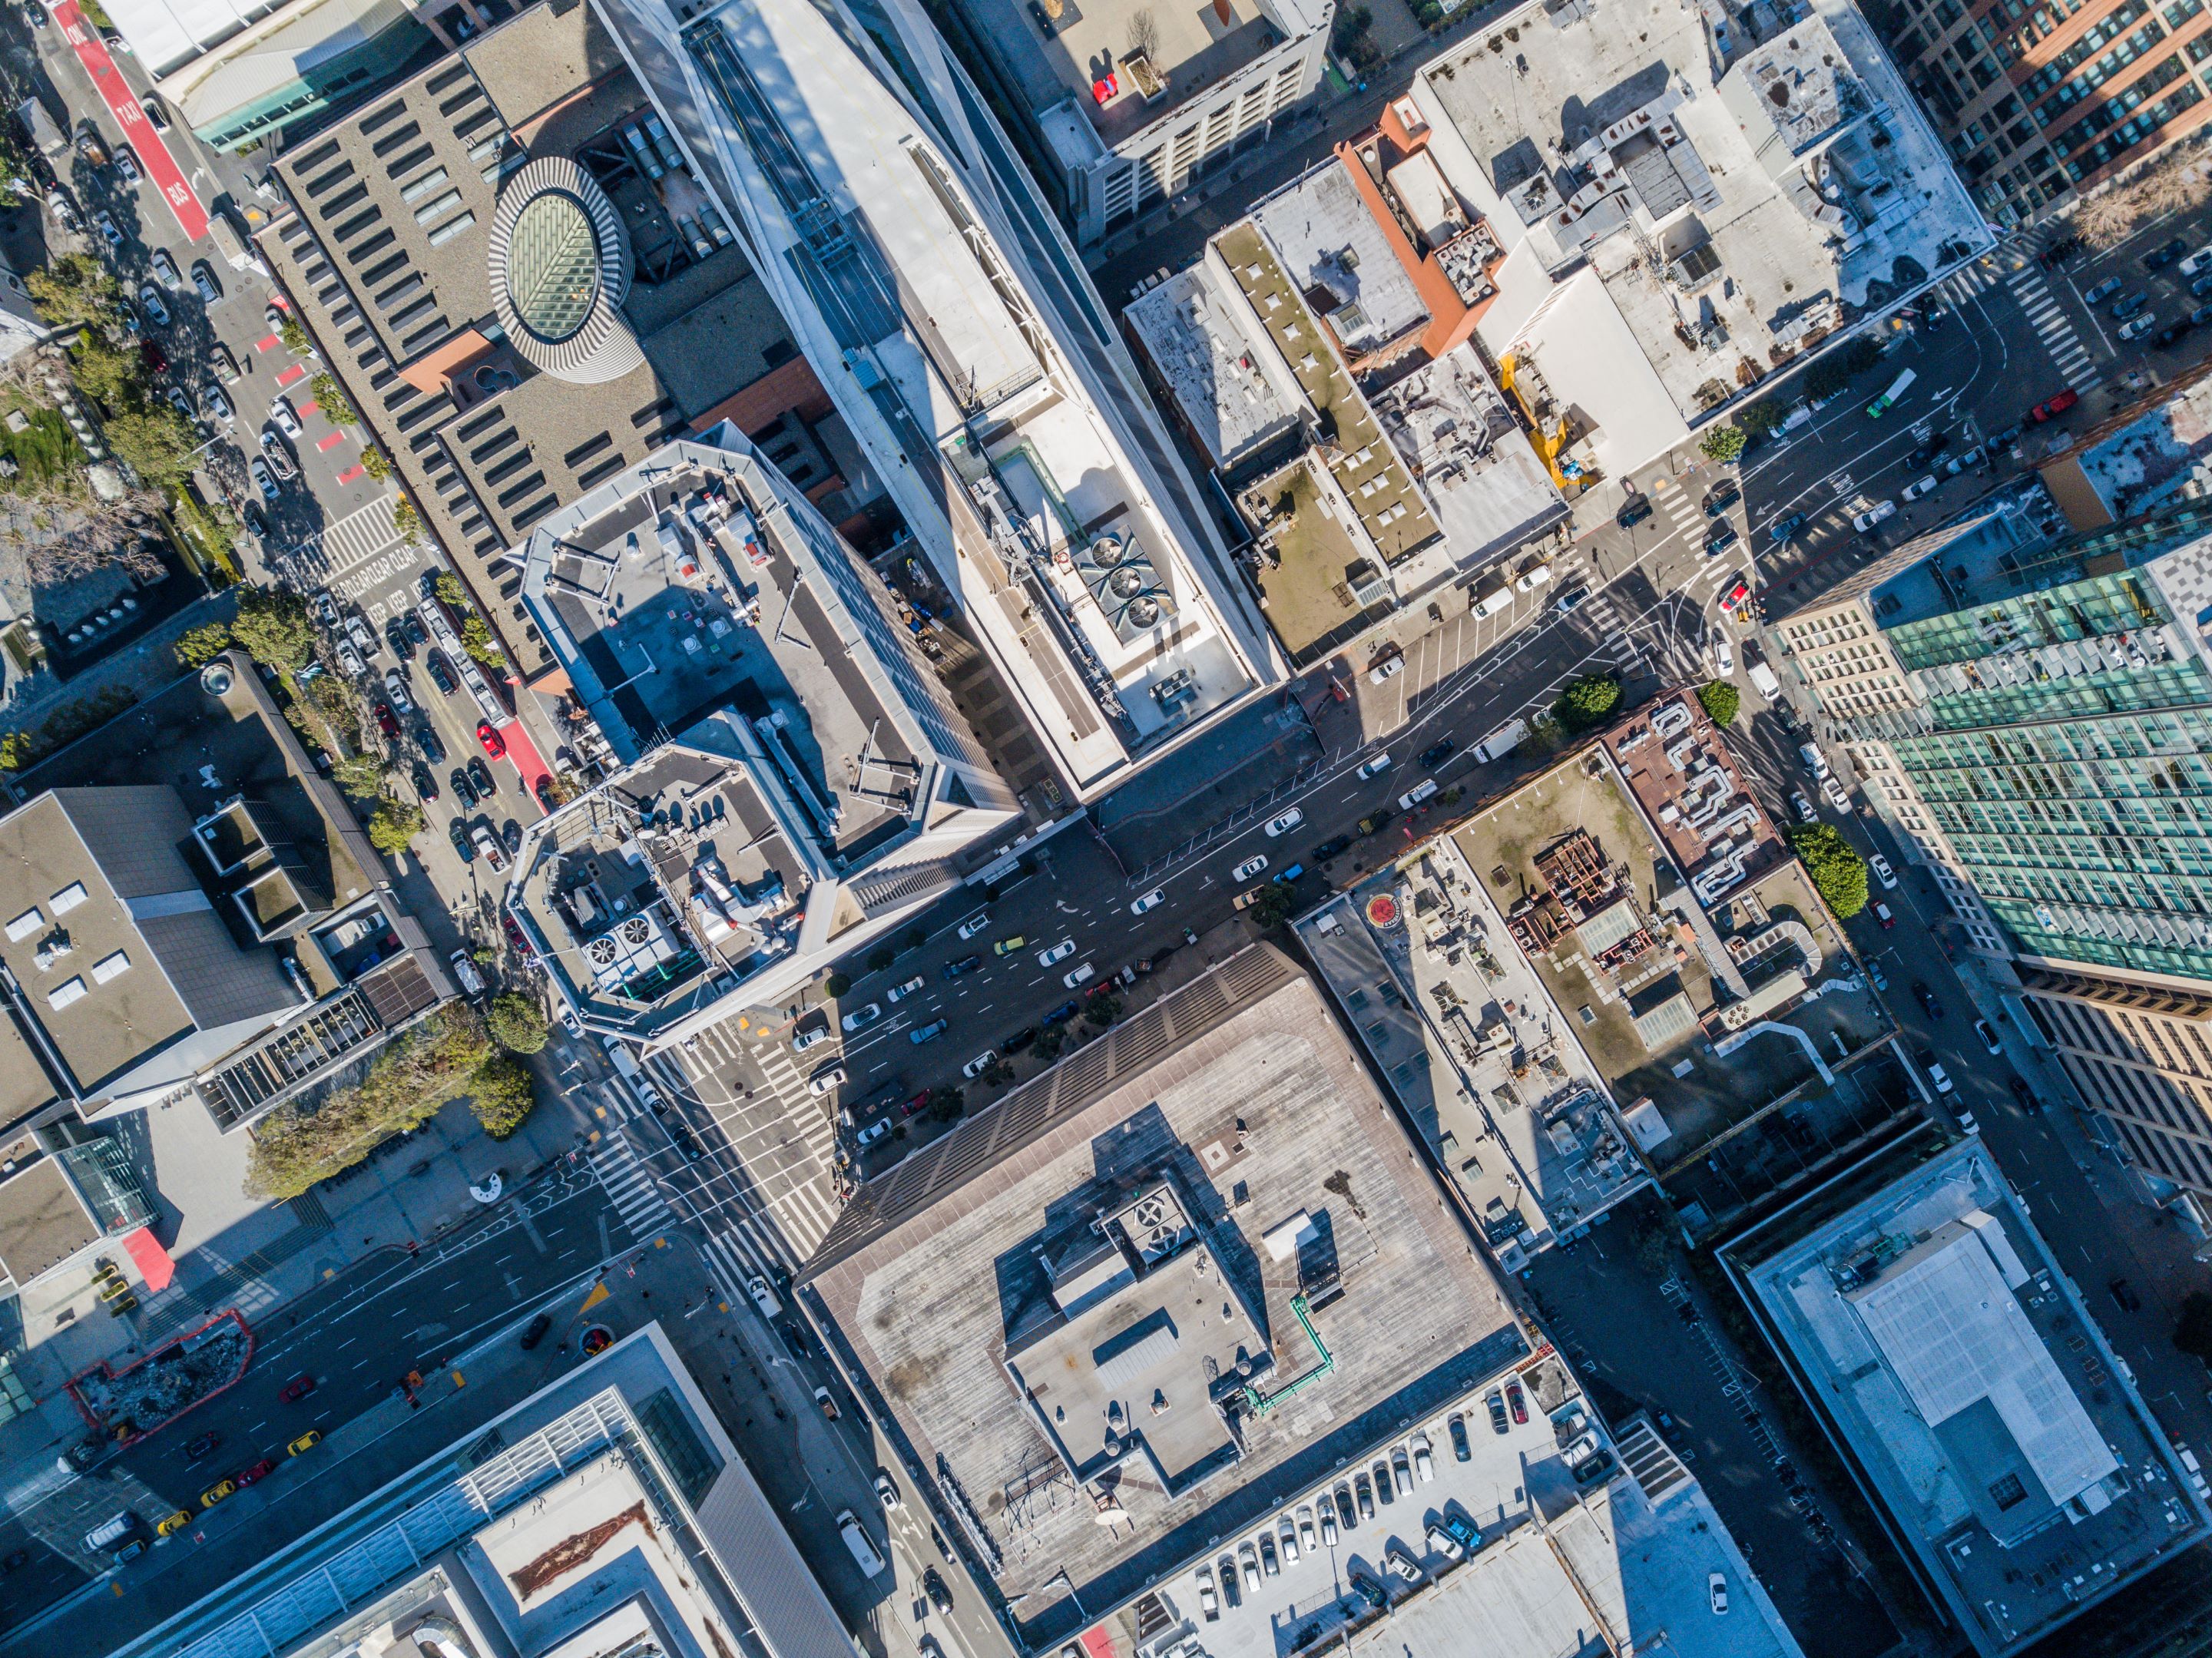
(274, 627)
(198, 646)
(516, 1022)
(1589, 701)
(394, 824)
(75, 289)
(1722, 443)
(1723, 702)
(502, 1094)
(1838, 870)
(361, 775)
(154, 442)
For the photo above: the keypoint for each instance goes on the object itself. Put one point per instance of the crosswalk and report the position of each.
(2045, 314)
(627, 1185)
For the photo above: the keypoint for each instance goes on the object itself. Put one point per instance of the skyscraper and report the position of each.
(2036, 719)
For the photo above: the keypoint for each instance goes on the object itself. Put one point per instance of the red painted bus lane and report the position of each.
(161, 167)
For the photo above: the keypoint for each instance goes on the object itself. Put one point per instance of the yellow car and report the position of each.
(215, 1493)
(175, 1523)
(306, 1441)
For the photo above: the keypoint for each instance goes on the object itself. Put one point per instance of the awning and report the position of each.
(151, 1258)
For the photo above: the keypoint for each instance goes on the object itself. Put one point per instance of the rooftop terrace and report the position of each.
(1354, 1300)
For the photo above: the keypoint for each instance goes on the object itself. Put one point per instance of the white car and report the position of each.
(1716, 1592)
(1152, 900)
(823, 1081)
(1381, 763)
(1878, 513)
(286, 416)
(977, 1067)
(861, 1018)
(1249, 868)
(900, 993)
(1079, 977)
(1883, 872)
(1059, 952)
(1283, 825)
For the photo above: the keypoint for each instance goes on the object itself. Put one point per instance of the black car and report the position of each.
(426, 786)
(1721, 497)
(480, 777)
(1633, 510)
(442, 672)
(401, 640)
(536, 1333)
(462, 847)
(199, 1449)
(433, 750)
(1438, 752)
(2159, 258)
(464, 790)
(933, 1585)
(1926, 998)
(965, 964)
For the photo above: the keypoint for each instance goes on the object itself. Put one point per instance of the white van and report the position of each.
(633, 1072)
(109, 1532)
(858, 1540)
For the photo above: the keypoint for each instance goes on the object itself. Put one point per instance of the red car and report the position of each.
(247, 1476)
(386, 721)
(493, 744)
(298, 1387)
(2057, 405)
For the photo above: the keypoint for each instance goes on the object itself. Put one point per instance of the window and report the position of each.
(111, 967)
(63, 995)
(68, 897)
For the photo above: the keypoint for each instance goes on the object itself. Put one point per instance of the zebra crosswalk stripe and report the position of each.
(628, 1186)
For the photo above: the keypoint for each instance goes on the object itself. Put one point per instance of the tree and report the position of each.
(330, 398)
(74, 290)
(274, 627)
(2192, 1330)
(374, 462)
(155, 442)
(517, 1024)
(502, 1094)
(1722, 702)
(198, 646)
(1589, 701)
(394, 824)
(1838, 873)
(361, 775)
(1722, 443)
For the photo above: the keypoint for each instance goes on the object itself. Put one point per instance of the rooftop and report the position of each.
(1226, 1135)
(1740, 198)
(1127, 64)
(1972, 1386)
(1646, 887)
(604, 1511)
